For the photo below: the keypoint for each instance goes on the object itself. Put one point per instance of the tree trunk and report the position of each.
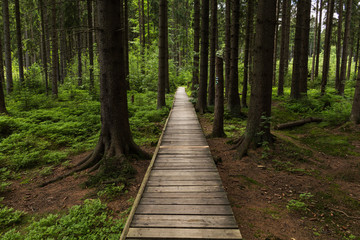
(234, 99)
(213, 43)
(341, 84)
(201, 103)
(355, 111)
(300, 66)
(195, 77)
(350, 60)
(43, 42)
(338, 44)
(227, 46)
(260, 102)
(54, 51)
(318, 41)
(148, 21)
(275, 42)
(325, 71)
(284, 50)
(162, 53)
(2, 78)
(218, 126)
(167, 80)
(79, 45)
(7, 46)
(19, 41)
(357, 55)
(91, 50)
(248, 34)
(314, 44)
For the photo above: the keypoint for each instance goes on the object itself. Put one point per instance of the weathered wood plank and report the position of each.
(184, 221)
(184, 183)
(185, 195)
(173, 173)
(184, 201)
(183, 233)
(185, 189)
(185, 164)
(184, 209)
(189, 178)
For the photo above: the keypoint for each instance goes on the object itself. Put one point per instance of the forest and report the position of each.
(86, 87)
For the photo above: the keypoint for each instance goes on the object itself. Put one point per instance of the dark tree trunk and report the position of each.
(355, 111)
(248, 34)
(284, 50)
(300, 66)
(91, 50)
(162, 54)
(43, 42)
(19, 41)
(227, 46)
(341, 84)
(195, 77)
(218, 126)
(338, 44)
(167, 80)
(260, 102)
(318, 41)
(314, 44)
(234, 99)
(350, 60)
(2, 78)
(357, 55)
(54, 51)
(201, 103)
(148, 21)
(326, 63)
(79, 45)
(213, 43)
(7, 47)
(275, 42)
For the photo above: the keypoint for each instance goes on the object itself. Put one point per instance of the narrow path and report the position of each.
(182, 197)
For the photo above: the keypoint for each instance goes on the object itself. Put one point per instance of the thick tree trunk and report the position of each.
(90, 46)
(275, 42)
(54, 52)
(43, 42)
(301, 48)
(234, 100)
(318, 41)
(260, 102)
(201, 103)
(227, 46)
(218, 126)
(248, 34)
(357, 55)
(355, 111)
(213, 43)
(326, 63)
(2, 79)
(7, 47)
(195, 77)
(162, 54)
(341, 84)
(19, 42)
(338, 44)
(314, 43)
(284, 50)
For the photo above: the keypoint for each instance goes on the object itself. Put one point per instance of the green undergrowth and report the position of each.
(91, 220)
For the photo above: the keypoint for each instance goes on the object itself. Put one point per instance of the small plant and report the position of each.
(111, 191)
(9, 216)
(299, 205)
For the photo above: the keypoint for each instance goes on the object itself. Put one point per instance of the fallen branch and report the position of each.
(297, 123)
(337, 210)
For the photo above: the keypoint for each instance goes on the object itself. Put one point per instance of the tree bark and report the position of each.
(162, 53)
(300, 65)
(19, 41)
(314, 43)
(338, 44)
(43, 42)
(91, 50)
(325, 71)
(234, 99)
(284, 50)
(297, 123)
(195, 77)
(357, 54)
(201, 102)
(218, 125)
(350, 60)
(7, 46)
(341, 84)
(2, 79)
(79, 45)
(227, 46)
(355, 111)
(318, 41)
(275, 42)
(260, 102)
(248, 34)
(213, 43)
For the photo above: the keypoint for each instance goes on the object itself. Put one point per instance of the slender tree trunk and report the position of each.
(2, 79)
(284, 50)
(338, 44)
(218, 126)
(300, 66)
(341, 85)
(314, 44)
(54, 52)
(275, 41)
(79, 45)
(227, 46)
(162, 53)
(213, 43)
(201, 103)
(355, 111)
(195, 77)
(350, 60)
(167, 80)
(91, 50)
(325, 71)
(234, 99)
(318, 41)
(19, 41)
(260, 102)
(27, 56)
(357, 56)
(248, 34)
(43, 42)
(7, 46)
(143, 23)
(148, 20)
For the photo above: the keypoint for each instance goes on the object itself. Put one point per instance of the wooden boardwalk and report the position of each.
(182, 195)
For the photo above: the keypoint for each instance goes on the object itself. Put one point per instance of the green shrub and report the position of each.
(9, 217)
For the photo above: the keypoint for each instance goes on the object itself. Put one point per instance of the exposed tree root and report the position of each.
(243, 143)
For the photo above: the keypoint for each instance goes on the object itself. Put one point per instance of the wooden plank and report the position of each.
(184, 183)
(185, 164)
(183, 233)
(185, 195)
(188, 169)
(185, 209)
(181, 189)
(184, 221)
(184, 201)
(171, 173)
(189, 178)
